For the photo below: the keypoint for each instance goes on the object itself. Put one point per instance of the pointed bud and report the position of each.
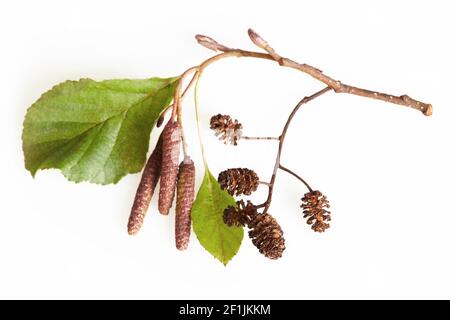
(144, 193)
(185, 198)
(169, 167)
(261, 43)
(210, 43)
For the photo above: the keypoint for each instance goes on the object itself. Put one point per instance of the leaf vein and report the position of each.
(88, 147)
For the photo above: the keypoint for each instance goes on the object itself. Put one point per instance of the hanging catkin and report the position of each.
(144, 193)
(185, 198)
(169, 166)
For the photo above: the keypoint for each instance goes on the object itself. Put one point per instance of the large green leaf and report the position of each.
(221, 241)
(94, 131)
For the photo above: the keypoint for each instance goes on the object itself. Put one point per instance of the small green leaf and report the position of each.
(94, 131)
(215, 236)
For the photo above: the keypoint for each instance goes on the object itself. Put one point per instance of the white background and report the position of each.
(383, 167)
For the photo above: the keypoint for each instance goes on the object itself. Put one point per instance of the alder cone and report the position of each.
(265, 232)
(239, 215)
(226, 129)
(315, 206)
(238, 181)
(144, 193)
(185, 198)
(267, 236)
(171, 139)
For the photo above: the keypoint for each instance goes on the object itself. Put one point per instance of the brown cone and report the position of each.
(267, 236)
(169, 168)
(239, 215)
(226, 129)
(265, 232)
(185, 198)
(144, 193)
(238, 181)
(314, 204)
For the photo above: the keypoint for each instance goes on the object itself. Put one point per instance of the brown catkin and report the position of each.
(169, 166)
(144, 193)
(185, 198)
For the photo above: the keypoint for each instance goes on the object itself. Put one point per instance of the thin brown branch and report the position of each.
(260, 138)
(262, 205)
(316, 73)
(283, 136)
(339, 87)
(296, 176)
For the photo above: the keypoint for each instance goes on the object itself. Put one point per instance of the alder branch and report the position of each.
(336, 85)
(331, 84)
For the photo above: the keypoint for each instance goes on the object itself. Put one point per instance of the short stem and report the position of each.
(178, 95)
(184, 143)
(260, 138)
(296, 175)
(262, 205)
(283, 136)
(197, 115)
(264, 183)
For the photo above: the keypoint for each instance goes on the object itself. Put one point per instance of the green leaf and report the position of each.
(215, 236)
(94, 131)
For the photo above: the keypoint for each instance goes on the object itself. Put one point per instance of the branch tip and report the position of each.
(210, 43)
(429, 110)
(261, 43)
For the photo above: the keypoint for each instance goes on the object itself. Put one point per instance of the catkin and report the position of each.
(144, 193)
(169, 166)
(185, 198)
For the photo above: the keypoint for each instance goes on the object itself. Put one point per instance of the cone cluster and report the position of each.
(265, 232)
